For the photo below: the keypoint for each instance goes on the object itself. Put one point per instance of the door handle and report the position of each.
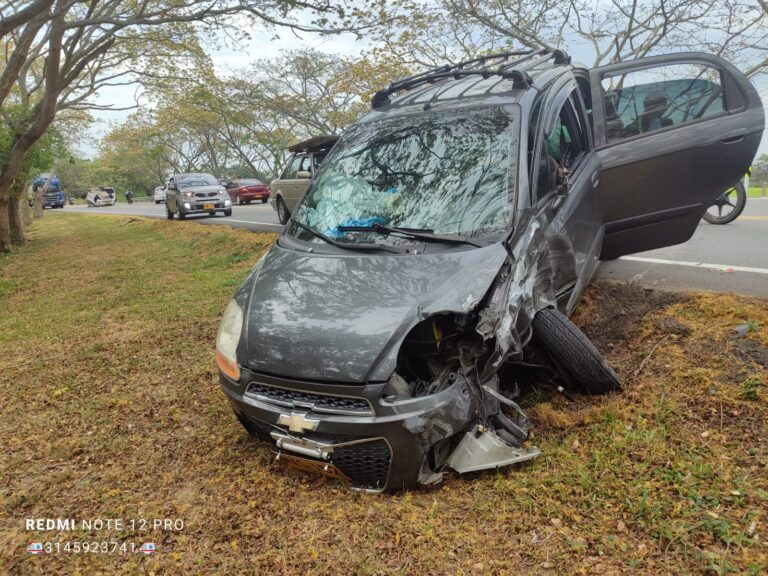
(734, 136)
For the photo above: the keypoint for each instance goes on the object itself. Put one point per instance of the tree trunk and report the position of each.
(37, 201)
(16, 220)
(42, 116)
(5, 226)
(26, 213)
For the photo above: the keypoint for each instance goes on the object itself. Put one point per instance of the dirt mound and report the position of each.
(612, 312)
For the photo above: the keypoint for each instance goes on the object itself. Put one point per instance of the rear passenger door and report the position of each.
(671, 133)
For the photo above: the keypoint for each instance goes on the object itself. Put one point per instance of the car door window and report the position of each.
(292, 168)
(652, 99)
(317, 158)
(305, 164)
(560, 153)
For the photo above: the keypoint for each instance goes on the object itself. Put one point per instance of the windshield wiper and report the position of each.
(348, 245)
(419, 233)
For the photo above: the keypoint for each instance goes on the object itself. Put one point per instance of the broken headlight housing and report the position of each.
(227, 339)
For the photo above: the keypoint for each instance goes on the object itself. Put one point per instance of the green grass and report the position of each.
(755, 192)
(111, 408)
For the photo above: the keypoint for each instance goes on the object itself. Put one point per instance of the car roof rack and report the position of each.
(512, 65)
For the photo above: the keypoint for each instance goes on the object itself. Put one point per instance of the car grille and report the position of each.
(307, 400)
(366, 464)
(206, 194)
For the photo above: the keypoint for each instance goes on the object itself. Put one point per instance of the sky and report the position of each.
(268, 44)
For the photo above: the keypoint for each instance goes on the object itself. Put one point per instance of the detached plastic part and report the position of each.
(482, 449)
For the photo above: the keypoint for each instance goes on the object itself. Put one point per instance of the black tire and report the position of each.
(264, 200)
(283, 215)
(572, 352)
(182, 215)
(168, 213)
(228, 212)
(732, 201)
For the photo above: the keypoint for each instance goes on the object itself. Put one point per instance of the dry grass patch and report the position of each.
(112, 409)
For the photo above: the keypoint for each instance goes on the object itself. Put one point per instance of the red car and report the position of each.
(244, 190)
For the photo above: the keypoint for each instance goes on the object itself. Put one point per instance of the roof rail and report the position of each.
(485, 66)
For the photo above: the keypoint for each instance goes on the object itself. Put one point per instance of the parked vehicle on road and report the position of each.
(159, 195)
(101, 196)
(245, 190)
(196, 193)
(301, 167)
(449, 234)
(53, 191)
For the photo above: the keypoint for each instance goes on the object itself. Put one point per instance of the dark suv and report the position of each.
(449, 233)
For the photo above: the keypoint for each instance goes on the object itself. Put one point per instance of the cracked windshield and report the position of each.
(446, 173)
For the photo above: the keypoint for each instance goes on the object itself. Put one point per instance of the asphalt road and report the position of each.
(730, 258)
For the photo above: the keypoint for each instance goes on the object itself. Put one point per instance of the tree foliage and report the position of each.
(241, 126)
(57, 54)
(435, 31)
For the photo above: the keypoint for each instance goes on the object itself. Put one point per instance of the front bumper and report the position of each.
(198, 207)
(379, 444)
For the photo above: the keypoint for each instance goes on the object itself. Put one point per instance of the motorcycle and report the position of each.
(728, 206)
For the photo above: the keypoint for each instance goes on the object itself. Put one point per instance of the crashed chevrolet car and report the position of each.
(448, 235)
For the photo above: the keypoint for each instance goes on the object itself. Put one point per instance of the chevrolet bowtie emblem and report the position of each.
(298, 422)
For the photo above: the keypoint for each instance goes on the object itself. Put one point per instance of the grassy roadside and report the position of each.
(755, 192)
(111, 409)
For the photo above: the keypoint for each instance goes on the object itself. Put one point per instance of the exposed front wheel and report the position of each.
(228, 212)
(573, 353)
(182, 215)
(264, 200)
(283, 215)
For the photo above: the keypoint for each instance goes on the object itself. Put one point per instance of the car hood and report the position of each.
(342, 317)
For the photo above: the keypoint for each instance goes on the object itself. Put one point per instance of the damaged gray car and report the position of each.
(449, 234)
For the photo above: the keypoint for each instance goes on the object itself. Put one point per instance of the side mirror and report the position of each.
(303, 175)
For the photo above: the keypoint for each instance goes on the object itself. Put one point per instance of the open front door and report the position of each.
(672, 133)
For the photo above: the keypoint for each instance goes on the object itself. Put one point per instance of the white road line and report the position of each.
(719, 267)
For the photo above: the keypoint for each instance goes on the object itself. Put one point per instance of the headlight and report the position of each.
(222, 191)
(227, 339)
(189, 194)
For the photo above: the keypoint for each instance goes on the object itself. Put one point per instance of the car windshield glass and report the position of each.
(197, 180)
(447, 172)
(251, 182)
